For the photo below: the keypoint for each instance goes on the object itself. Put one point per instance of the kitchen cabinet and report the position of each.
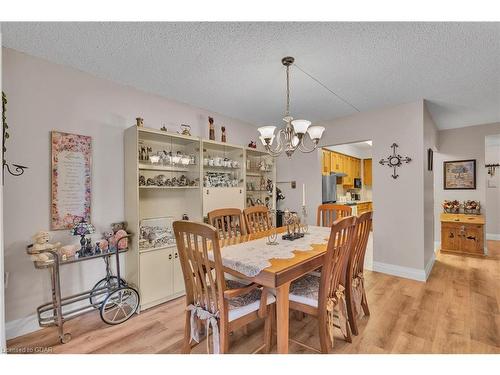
(367, 172)
(364, 207)
(326, 165)
(462, 234)
(337, 162)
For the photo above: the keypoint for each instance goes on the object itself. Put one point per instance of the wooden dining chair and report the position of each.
(229, 222)
(222, 305)
(257, 219)
(323, 297)
(329, 212)
(354, 284)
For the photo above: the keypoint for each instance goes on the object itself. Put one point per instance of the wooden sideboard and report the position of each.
(462, 234)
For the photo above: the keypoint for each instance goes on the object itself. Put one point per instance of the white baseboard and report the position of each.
(437, 246)
(400, 271)
(493, 237)
(429, 265)
(22, 326)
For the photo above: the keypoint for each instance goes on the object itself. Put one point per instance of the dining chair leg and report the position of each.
(268, 328)
(224, 339)
(323, 336)
(186, 345)
(351, 309)
(364, 304)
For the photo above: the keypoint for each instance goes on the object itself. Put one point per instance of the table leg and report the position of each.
(282, 317)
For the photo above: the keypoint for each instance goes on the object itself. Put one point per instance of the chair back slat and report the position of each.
(204, 283)
(336, 260)
(257, 219)
(329, 212)
(228, 221)
(357, 258)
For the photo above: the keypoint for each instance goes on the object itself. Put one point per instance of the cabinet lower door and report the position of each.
(450, 237)
(156, 277)
(178, 277)
(472, 239)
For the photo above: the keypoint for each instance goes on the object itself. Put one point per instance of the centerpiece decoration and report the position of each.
(293, 227)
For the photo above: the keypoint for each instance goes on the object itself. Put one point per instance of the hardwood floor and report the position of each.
(456, 311)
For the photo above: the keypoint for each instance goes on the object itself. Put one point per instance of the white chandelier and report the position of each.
(293, 135)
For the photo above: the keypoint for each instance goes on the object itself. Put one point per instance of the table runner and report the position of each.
(250, 258)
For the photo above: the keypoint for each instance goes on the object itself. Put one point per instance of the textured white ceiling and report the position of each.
(235, 68)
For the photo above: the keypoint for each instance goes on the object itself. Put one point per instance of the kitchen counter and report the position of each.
(353, 203)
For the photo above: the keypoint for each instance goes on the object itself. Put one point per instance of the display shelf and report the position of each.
(259, 168)
(168, 187)
(165, 168)
(156, 271)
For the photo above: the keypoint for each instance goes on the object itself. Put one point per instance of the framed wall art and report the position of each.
(71, 163)
(459, 175)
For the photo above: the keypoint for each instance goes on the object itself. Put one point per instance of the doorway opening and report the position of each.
(492, 199)
(346, 174)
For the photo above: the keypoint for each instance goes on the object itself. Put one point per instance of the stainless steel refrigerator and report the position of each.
(329, 188)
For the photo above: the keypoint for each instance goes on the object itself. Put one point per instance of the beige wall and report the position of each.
(398, 204)
(44, 96)
(430, 141)
(460, 144)
(492, 156)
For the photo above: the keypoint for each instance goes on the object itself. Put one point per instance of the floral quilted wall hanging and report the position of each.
(71, 156)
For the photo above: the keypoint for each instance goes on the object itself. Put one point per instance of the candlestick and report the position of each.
(303, 194)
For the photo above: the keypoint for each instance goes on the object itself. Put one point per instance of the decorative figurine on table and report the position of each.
(139, 122)
(186, 129)
(292, 222)
(223, 135)
(252, 144)
(40, 243)
(211, 129)
(83, 229)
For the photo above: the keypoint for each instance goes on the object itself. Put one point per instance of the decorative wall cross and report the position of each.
(394, 160)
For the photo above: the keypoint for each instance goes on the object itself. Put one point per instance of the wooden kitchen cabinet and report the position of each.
(462, 234)
(367, 172)
(326, 167)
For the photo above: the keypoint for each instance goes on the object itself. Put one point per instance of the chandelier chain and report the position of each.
(287, 111)
(327, 88)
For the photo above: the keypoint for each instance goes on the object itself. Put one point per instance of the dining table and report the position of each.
(280, 272)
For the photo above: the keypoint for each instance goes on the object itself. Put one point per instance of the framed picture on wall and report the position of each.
(70, 179)
(459, 175)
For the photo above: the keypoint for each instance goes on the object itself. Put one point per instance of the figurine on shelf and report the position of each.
(186, 129)
(223, 136)
(185, 217)
(164, 128)
(140, 122)
(41, 242)
(252, 144)
(67, 251)
(142, 180)
(121, 243)
(122, 225)
(103, 245)
(211, 129)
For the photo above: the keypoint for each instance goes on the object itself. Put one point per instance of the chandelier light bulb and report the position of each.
(300, 126)
(315, 132)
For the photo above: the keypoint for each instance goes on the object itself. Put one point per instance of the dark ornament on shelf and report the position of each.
(395, 160)
(252, 144)
(18, 169)
(211, 129)
(223, 135)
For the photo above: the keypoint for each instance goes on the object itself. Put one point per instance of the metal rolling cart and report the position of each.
(116, 300)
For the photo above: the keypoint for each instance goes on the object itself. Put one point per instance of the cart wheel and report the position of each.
(111, 283)
(119, 305)
(65, 338)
